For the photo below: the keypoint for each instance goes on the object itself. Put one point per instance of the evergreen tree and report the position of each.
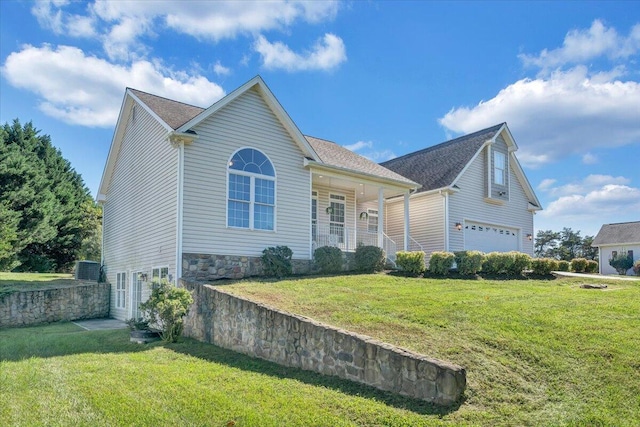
(44, 200)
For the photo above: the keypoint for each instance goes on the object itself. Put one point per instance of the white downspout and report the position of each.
(446, 221)
(380, 217)
(179, 212)
(406, 221)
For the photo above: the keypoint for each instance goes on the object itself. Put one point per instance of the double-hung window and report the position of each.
(158, 274)
(372, 220)
(121, 290)
(251, 198)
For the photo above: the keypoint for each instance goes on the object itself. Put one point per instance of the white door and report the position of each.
(490, 238)
(136, 295)
(336, 219)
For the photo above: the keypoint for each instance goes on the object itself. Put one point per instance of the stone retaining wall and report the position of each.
(259, 331)
(85, 300)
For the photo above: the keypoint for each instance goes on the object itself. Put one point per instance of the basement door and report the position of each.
(136, 294)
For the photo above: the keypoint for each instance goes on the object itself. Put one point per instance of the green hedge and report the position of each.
(513, 263)
(592, 266)
(544, 266)
(441, 262)
(369, 259)
(578, 265)
(328, 259)
(469, 262)
(411, 262)
(564, 265)
(276, 261)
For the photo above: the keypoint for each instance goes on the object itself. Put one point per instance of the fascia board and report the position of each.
(150, 111)
(475, 156)
(339, 172)
(114, 149)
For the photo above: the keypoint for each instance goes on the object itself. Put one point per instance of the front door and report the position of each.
(336, 218)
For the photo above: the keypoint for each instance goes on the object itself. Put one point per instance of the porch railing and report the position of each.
(348, 239)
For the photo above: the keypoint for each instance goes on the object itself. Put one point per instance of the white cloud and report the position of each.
(566, 113)
(365, 149)
(328, 53)
(583, 45)
(121, 24)
(545, 184)
(86, 90)
(589, 159)
(220, 69)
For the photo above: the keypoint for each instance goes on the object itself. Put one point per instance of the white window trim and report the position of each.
(134, 274)
(503, 171)
(372, 213)
(252, 202)
(344, 219)
(121, 290)
(314, 196)
(159, 268)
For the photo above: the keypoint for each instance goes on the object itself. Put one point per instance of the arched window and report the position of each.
(251, 198)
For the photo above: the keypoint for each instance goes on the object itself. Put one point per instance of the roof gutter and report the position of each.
(313, 165)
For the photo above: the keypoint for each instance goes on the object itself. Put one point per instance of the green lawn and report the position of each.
(11, 282)
(536, 353)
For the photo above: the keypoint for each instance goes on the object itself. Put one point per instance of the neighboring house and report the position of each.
(616, 239)
(199, 193)
(474, 195)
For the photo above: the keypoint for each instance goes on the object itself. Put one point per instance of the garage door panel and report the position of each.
(490, 238)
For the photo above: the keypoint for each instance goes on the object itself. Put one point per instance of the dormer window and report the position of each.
(499, 168)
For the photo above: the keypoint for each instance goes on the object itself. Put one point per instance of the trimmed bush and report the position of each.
(328, 259)
(544, 266)
(621, 262)
(578, 265)
(636, 268)
(521, 262)
(410, 262)
(592, 266)
(497, 263)
(469, 262)
(441, 262)
(276, 261)
(369, 259)
(564, 265)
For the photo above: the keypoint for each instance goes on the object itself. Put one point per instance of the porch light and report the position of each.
(329, 210)
(530, 236)
(364, 215)
(458, 226)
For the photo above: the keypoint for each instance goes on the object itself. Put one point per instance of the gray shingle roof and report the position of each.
(335, 155)
(438, 166)
(173, 113)
(619, 233)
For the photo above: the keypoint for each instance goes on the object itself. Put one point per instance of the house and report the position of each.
(616, 239)
(196, 193)
(474, 196)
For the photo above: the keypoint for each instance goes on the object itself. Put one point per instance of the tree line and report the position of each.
(564, 245)
(48, 218)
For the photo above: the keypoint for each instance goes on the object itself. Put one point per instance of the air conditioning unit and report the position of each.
(87, 270)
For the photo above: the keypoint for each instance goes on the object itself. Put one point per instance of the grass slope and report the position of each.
(536, 352)
(12, 282)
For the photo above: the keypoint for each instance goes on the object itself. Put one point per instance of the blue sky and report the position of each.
(383, 78)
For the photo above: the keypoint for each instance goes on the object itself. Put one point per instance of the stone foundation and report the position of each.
(259, 331)
(209, 267)
(85, 300)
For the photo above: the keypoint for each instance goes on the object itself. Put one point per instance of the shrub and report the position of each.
(166, 308)
(411, 262)
(441, 262)
(578, 265)
(369, 259)
(592, 266)
(469, 262)
(521, 262)
(328, 259)
(636, 268)
(497, 263)
(564, 265)
(621, 262)
(543, 266)
(276, 261)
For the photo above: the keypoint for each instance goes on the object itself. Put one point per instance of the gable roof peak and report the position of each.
(173, 113)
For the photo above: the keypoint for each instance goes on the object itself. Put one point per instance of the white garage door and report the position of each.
(489, 238)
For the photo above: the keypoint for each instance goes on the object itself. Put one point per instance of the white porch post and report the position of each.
(406, 220)
(380, 217)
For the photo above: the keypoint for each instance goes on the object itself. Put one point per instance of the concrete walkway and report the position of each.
(593, 276)
(100, 324)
